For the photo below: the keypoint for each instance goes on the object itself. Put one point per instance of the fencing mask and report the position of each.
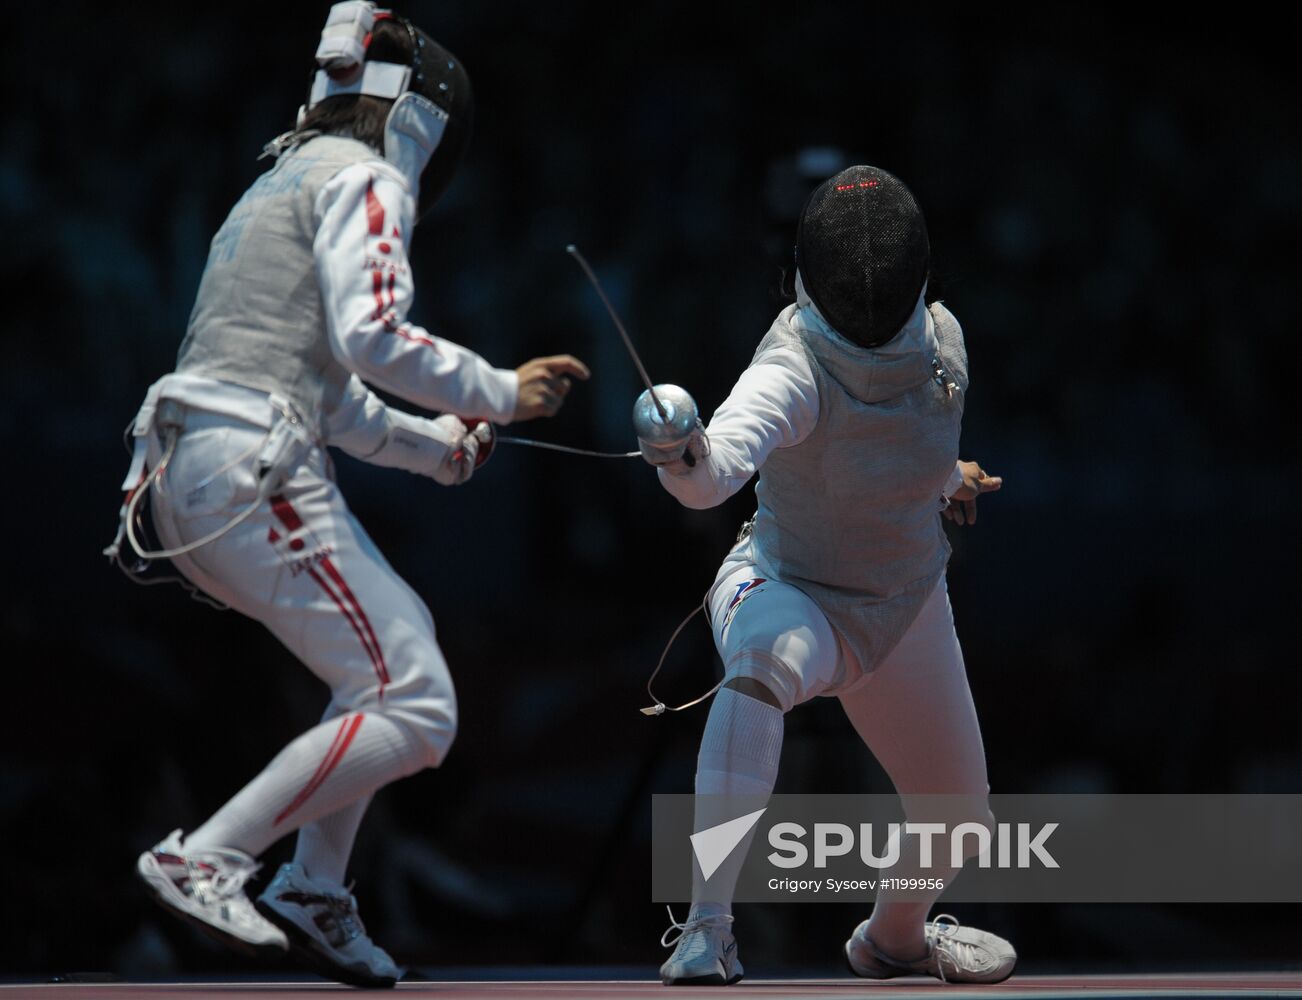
(429, 124)
(862, 252)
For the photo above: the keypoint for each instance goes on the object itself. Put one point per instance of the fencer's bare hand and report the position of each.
(544, 384)
(962, 507)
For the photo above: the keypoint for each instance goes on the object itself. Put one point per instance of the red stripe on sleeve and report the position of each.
(406, 334)
(374, 211)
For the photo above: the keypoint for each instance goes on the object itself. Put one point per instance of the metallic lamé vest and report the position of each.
(850, 515)
(258, 320)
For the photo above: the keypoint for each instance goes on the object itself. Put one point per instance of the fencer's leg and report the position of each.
(916, 715)
(753, 688)
(736, 769)
(391, 734)
(304, 567)
(325, 769)
(325, 845)
(778, 650)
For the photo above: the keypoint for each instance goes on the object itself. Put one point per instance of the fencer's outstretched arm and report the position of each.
(364, 218)
(773, 405)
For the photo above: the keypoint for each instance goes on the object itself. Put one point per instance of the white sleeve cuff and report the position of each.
(954, 481)
(502, 389)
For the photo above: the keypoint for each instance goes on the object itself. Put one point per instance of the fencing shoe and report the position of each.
(705, 952)
(954, 955)
(325, 930)
(207, 888)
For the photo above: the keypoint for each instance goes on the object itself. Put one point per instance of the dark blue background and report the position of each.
(1114, 211)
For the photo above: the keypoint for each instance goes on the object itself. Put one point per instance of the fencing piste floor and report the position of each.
(1168, 986)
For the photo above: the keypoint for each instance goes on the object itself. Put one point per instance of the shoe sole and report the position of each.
(876, 979)
(303, 947)
(231, 941)
(989, 982)
(957, 982)
(713, 979)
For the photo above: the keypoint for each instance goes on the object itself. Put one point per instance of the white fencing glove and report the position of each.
(467, 448)
(680, 459)
(443, 448)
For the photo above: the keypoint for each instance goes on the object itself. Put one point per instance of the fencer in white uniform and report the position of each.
(302, 303)
(850, 412)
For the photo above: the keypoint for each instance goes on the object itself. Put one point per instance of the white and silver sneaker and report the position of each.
(705, 955)
(325, 930)
(954, 955)
(207, 889)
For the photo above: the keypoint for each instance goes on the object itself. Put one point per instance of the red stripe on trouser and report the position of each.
(318, 774)
(377, 286)
(343, 737)
(287, 514)
(377, 654)
(355, 616)
(365, 637)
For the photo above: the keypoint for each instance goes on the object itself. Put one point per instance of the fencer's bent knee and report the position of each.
(441, 733)
(430, 727)
(753, 688)
(767, 671)
(427, 710)
(421, 695)
(780, 638)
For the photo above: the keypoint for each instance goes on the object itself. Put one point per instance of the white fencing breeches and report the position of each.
(303, 566)
(914, 712)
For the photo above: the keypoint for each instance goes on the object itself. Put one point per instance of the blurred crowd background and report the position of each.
(1114, 212)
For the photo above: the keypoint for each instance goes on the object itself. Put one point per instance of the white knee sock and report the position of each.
(325, 845)
(735, 772)
(330, 766)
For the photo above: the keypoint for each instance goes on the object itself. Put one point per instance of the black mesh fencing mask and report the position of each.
(379, 55)
(442, 79)
(862, 252)
(439, 77)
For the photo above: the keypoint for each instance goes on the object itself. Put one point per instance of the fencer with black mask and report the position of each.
(850, 412)
(303, 302)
